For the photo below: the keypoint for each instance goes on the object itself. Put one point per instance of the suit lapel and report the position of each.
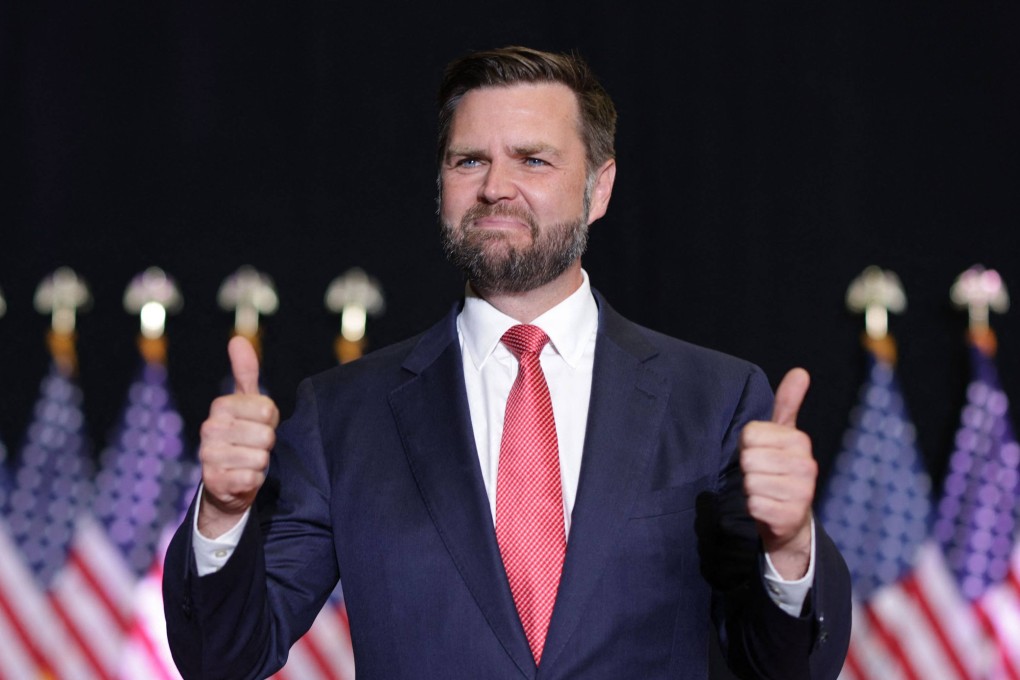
(434, 422)
(627, 405)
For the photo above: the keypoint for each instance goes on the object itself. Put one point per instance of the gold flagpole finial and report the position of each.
(63, 295)
(152, 295)
(980, 291)
(355, 296)
(249, 294)
(875, 293)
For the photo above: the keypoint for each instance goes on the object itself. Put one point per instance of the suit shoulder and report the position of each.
(373, 367)
(695, 362)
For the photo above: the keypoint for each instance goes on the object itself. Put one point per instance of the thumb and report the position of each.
(790, 396)
(244, 364)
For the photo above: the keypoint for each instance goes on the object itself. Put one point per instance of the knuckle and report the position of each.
(209, 454)
(265, 437)
(260, 462)
(222, 405)
(802, 440)
(211, 428)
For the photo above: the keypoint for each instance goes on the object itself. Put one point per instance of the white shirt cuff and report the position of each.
(790, 595)
(212, 553)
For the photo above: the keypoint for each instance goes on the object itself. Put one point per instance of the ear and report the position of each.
(603, 189)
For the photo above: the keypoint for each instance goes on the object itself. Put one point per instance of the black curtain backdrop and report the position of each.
(767, 153)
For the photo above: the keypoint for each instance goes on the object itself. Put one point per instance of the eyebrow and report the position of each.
(519, 151)
(534, 149)
(462, 151)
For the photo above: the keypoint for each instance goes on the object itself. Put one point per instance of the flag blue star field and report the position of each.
(139, 485)
(878, 502)
(52, 483)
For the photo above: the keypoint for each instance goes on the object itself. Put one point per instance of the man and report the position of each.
(533, 488)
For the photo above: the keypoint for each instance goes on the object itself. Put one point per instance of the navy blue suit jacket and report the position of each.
(375, 478)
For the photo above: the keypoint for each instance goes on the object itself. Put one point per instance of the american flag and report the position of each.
(916, 615)
(51, 490)
(977, 522)
(115, 542)
(137, 495)
(877, 508)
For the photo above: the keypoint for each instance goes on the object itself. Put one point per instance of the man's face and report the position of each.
(514, 207)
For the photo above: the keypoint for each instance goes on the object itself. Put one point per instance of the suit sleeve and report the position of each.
(241, 621)
(759, 640)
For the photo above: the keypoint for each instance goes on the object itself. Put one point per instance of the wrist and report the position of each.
(792, 557)
(213, 520)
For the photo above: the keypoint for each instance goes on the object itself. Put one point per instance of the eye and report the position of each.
(467, 163)
(534, 162)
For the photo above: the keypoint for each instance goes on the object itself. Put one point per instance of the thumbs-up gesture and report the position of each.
(236, 439)
(779, 478)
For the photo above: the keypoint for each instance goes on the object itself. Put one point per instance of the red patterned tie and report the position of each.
(529, 497)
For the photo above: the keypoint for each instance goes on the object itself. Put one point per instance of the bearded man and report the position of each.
(533, 488)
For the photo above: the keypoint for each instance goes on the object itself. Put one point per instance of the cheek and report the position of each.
(456, 196)
(559, 202)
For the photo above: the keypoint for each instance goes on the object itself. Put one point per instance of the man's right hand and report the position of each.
(236, 440)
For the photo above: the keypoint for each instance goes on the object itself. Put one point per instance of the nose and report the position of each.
(498, 183)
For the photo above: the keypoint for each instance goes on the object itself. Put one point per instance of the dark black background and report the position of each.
(767, 153)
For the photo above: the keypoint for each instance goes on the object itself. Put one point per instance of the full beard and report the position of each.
(494, 265)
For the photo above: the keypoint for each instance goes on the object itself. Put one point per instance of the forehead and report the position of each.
(545, 110)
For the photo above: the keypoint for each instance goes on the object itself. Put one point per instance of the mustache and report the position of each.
(480, 210)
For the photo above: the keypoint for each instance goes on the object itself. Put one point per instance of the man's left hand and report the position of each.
(779, 479)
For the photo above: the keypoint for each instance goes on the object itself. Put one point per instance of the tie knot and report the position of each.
(525, 339)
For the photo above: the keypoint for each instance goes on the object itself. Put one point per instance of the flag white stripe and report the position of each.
(90, 618)
(1003, 611)
(17, 661)
(963, 630)
(300, 666)
(148, 639)
(105, 566)
(869, 652)
(35, 615)
(907, 623)
(331, 637)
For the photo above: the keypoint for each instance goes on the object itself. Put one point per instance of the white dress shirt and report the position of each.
(489, 372)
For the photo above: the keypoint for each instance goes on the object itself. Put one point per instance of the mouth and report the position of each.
(498, 219)
(499, 223)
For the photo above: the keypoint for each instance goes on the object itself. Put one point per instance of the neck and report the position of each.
(527, 306)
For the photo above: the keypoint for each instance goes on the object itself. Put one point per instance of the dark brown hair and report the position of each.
(512, 65)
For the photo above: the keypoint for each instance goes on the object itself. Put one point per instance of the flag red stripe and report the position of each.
(141, 632)
(320, 661)
(911, 587)
(989, 628)
(100, 591)
(81, 642)
(27, 641)
(853, 665)
(890, 642)
(152, 652)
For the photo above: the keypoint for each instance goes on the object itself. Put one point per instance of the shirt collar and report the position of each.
(569, 325)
